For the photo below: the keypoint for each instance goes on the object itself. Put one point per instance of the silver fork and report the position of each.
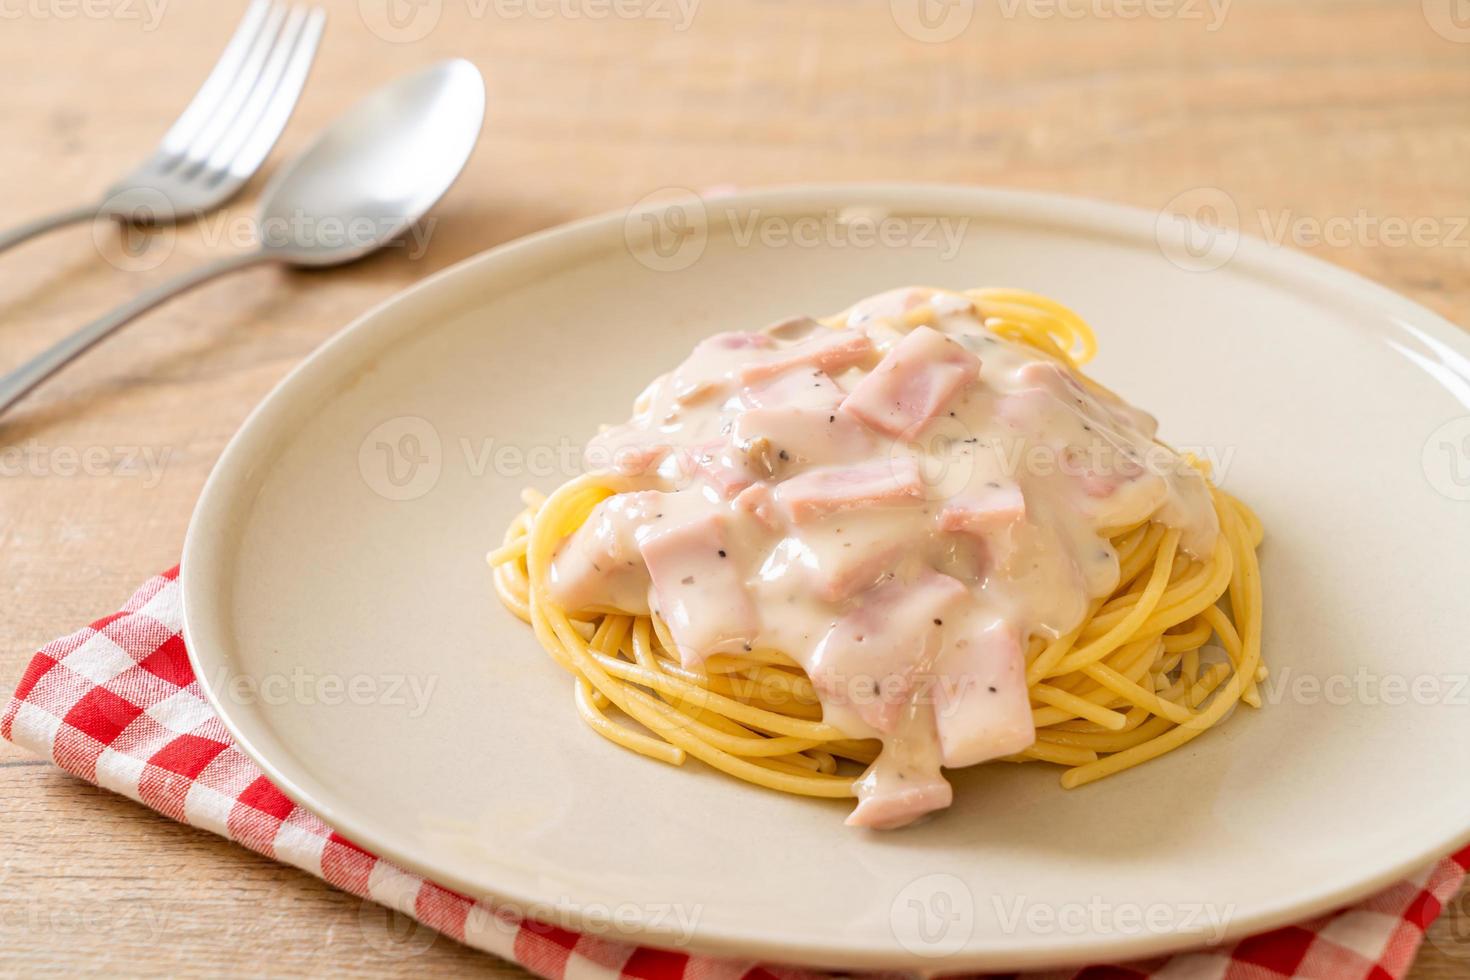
(223, 136)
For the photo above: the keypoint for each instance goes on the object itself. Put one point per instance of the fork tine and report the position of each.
(254, 151)
(207, 99)
(239, 91)
(243, 123)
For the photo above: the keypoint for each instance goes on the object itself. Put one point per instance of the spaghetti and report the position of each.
(1160, 657)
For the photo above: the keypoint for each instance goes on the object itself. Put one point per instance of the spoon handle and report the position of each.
(43, 365)
(36, 226)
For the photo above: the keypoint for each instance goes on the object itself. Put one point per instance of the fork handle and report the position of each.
(43, 365)
(36, 226)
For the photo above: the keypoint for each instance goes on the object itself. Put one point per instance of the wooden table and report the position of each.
(1348, 119)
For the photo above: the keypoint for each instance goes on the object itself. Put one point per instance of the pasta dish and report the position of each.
(835, 557)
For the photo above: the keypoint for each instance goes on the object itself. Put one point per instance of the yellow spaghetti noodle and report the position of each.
(1127, 685)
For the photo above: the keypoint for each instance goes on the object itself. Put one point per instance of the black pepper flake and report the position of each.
(783, 454)
(992, 689)
(938, 622)
(747, 647)
(722, 552)
(831, 418)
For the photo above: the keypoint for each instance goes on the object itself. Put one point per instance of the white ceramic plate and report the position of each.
(336, 560)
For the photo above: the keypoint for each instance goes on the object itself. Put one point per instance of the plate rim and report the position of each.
(198, 576)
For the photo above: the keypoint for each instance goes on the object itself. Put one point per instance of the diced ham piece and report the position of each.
(1098, 486)
(842, 573)
(802, 386)
(707, 368)
(723, 468)
(737, 340)
(837, 568)
(898, 808)
(797, 435)
(982, 707)
(1048, 375)
(913, 383)
(820, 492)
(873, 656)
(617, 450)
(1030, 411)
(699, 589)
(993, 507)
(830, 351)
(987, 518)
(760, 502)
(1052, 377)
(599, 568)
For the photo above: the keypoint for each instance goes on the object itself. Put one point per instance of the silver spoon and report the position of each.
(361, 184)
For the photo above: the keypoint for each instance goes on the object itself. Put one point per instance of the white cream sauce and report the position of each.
(897, 507)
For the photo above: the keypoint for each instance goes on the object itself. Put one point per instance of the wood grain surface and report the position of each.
(1342, 128)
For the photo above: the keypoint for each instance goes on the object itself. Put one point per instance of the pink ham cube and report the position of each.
(599, 567)
(817, 493)
(699, 589)
(624, 457)
(830, 352)
(709, 366)
(801, 386)
(992, 507)
(796, 435)
(872, 658)
(720, 467)
(1100, 405)
(841, 573)
(982, 705)
(759, 501)
(913, 383)
(887, 810)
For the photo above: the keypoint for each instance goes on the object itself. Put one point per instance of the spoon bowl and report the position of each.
(376, 170)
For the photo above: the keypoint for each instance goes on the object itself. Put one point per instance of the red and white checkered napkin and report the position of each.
(117, 704)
